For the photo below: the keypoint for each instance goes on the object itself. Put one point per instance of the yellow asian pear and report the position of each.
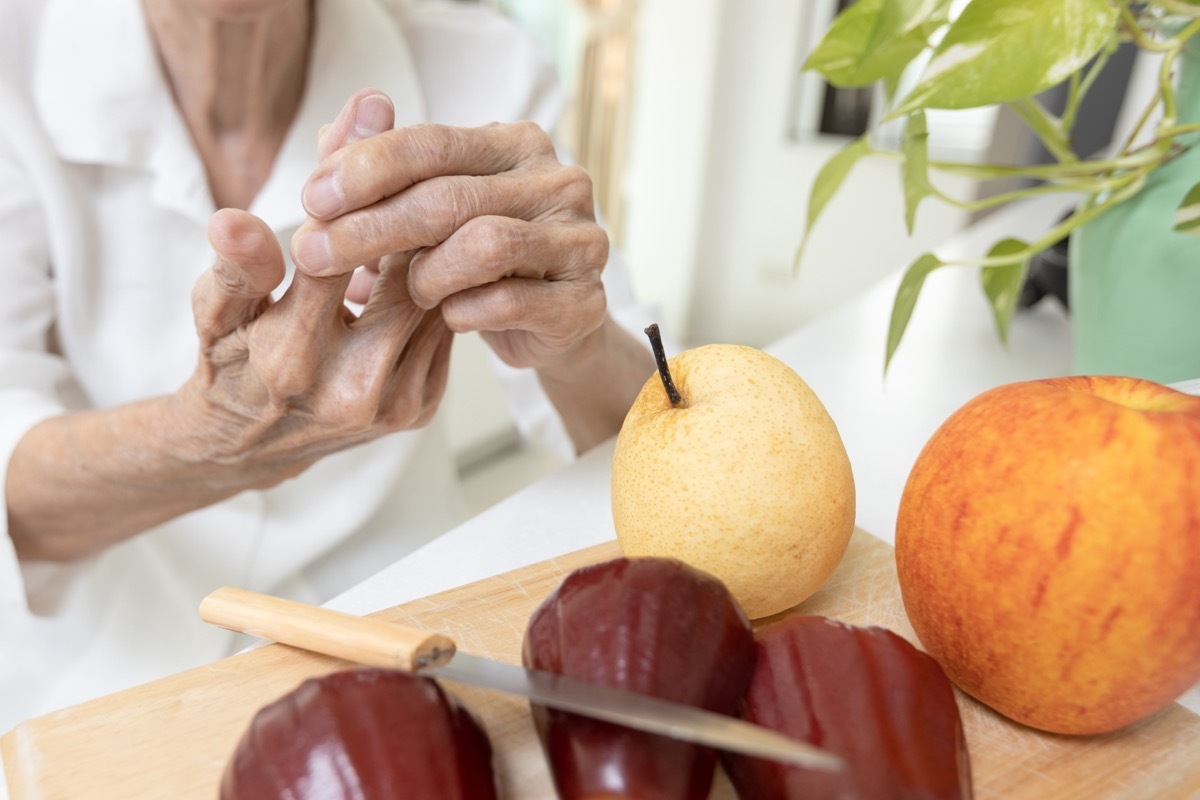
(745, 476)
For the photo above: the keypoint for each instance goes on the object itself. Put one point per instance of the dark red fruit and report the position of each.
(651, 625)
(865, 694)
(362, 734)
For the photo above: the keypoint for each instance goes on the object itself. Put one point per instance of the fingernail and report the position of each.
(323, 197)
(313, 254)
(373, 115)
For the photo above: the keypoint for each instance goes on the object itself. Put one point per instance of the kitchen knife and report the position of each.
(383, 644)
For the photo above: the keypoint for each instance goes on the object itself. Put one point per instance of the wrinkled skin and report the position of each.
(495, 231)
(459, 229)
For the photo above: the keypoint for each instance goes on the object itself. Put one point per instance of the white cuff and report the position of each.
(20, 410)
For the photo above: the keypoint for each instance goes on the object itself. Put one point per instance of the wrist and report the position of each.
(593, 385)
(227, 451)
(590, 356)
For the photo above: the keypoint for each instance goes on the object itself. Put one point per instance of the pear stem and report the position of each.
(660, 358)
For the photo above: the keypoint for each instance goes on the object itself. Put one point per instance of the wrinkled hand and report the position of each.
(496, 232)
(281, 384)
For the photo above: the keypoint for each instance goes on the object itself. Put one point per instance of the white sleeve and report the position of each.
(32, 378)
(532, 411)
(477, 66)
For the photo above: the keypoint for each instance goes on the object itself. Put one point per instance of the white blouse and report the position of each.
(103, 212)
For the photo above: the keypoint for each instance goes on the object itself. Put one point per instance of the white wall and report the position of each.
(675, 69)
(717, 192)
(716, 195)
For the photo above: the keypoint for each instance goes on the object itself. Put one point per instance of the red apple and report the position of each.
(1048, 550)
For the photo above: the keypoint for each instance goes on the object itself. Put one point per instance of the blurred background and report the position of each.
(703, 137)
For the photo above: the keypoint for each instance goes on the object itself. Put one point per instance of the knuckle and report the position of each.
(425, 417)
(359, 415)
(436, 209)
(508, 306)
(422, 280)
(369, 229)
(534, 139)
(457, 314)
(433, 143)
(230, 279)
(490, 237)
(284, 377)
(593, 251)
(462, 199)
(574, 188)
(360, 163)
(405, 409)
(588, 306)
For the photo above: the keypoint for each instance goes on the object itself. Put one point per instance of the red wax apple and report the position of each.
(865, 694)
(651, 625)
(361, 734)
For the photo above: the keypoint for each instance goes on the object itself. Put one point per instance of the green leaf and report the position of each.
(1002, 283)
(915, 168)
(998, 51)
(1187, 216)
(828, 181)
(906, 299)
(875, 39)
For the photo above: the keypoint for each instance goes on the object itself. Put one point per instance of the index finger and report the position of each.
(373, 169)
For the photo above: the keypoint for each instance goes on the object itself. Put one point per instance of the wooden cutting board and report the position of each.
(172, 737)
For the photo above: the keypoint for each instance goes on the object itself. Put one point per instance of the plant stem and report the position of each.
(1166, 87)
(660, 358)
(1129, 161)
(1079, 88)
(1141, 123)
(1047, 128)
(1178, 130)
(1180, 8)
(1139, 34)
(1063, 229)
(1007, 197)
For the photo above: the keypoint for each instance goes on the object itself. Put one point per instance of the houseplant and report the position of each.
(942, 54)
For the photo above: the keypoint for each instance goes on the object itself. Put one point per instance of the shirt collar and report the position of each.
(102, 97)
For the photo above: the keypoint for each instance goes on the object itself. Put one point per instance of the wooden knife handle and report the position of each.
(321, 630)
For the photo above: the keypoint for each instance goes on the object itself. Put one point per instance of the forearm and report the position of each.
(593, 385)
(80, 482)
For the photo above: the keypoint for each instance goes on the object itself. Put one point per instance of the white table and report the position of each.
(950, 353)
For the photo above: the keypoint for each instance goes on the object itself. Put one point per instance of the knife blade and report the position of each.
(375, 642)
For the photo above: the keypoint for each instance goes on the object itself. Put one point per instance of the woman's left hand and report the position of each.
(502, 236)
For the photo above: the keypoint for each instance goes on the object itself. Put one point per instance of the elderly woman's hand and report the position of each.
(280, 384)
(494, 230)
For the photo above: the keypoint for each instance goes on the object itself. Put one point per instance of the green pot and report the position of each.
(1135, 283)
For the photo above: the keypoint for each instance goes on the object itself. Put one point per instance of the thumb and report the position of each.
(366, 113)
(237, 287)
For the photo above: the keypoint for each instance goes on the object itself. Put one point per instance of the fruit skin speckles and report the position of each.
(1047, 544)
(747, 479)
